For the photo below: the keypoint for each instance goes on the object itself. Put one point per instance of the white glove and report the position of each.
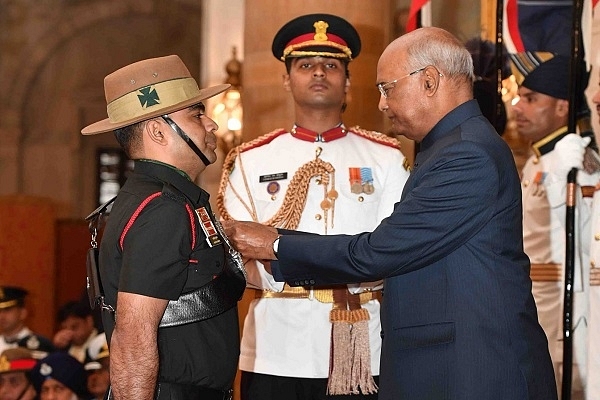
(568, 154)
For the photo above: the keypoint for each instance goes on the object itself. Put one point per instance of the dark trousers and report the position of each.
(269, 387)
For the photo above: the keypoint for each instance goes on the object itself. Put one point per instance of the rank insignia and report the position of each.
(33, 342)
(210, 231)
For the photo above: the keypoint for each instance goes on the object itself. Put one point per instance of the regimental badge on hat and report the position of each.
(11, 296)
(317, 35)
(542, 72)
(45, 369)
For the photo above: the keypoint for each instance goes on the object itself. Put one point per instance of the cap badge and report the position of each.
(45, 369)
(4, 364)
(148, 97)
(321, 31)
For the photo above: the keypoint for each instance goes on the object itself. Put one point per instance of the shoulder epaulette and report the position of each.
(261, 140)
(229, 161)
(377, 137)
(170, 192)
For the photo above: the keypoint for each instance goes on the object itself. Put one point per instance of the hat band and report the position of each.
(24, 364)
(151, 98)
(295, 50)
(8, 304)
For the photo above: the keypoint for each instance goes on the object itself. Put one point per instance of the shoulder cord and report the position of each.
(142, 205)
(289, 214)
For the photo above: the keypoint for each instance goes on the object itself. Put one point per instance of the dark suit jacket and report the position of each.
(458, 318)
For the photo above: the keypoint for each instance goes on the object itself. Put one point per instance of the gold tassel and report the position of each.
(340, 364)
(361, 354)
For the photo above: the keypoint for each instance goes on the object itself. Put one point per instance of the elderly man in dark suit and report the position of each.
(458, 317)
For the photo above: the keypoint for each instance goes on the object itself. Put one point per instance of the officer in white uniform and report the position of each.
(13, 331)
(316, 176)
(541, 116)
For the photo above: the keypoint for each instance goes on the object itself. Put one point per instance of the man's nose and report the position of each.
(319, 70)
(382, 105)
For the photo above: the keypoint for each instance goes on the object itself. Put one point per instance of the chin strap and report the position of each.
(25, 390)
(187, 139)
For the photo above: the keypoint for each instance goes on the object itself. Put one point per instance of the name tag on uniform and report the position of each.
(212, 237)
(272, 177)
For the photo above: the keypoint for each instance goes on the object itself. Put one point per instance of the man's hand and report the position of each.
(62, 339)
(568, 154)
(252, 239)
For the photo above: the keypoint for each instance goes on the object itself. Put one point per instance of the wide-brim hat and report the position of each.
(542, 72)
(16, 359)
(148, 89)
(312, 35)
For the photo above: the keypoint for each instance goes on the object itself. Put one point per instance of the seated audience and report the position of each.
(98, 367)
(76, 329)
(13, 331)
(60, 377)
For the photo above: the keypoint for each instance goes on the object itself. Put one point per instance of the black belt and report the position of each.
(179, 391)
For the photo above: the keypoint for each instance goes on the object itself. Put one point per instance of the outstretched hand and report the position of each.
(252, 239)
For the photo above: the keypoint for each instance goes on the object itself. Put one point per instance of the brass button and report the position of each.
(273, 198)
(536, 160)
(361, 199)
(318, 217)
(525, 183)
(597, 236)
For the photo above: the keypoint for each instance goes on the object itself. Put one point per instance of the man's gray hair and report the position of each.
(445, 53)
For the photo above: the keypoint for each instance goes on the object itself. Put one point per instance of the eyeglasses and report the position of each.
(384, 87)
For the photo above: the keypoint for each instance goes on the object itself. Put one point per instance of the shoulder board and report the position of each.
(229, 161)
(261, 140)
(170, 192)
(375, 137)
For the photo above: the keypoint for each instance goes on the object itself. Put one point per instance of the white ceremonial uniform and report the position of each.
(291, 337)
(10, 344)
(80, 352)
(593, 381)
(544, 239)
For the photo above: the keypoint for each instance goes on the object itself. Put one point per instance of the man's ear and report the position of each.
(286, 82)
(23, 314)
(431, 83)
(562, 107)
(347, 85)
(153, 131)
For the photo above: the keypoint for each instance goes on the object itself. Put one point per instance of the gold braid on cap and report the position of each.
(319, 39)
(289, 214)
